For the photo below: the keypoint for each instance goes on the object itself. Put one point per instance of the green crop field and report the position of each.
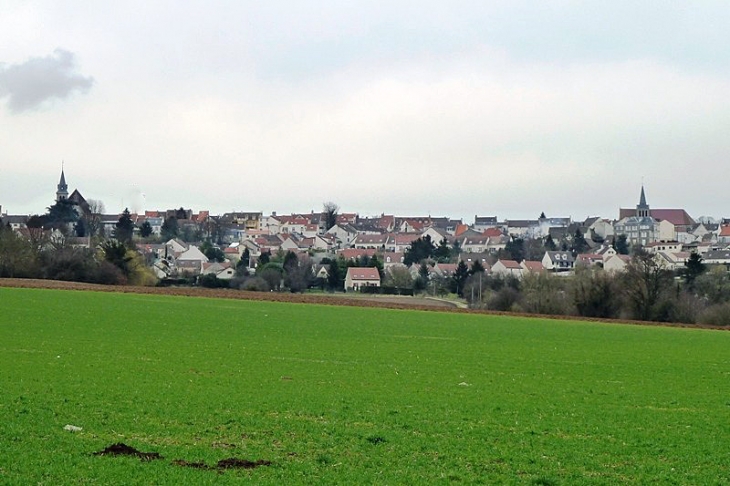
(344, 395)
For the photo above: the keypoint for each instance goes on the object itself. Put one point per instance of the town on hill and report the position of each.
(649, 264)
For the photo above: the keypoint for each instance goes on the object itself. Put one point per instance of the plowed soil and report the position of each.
(356, 300)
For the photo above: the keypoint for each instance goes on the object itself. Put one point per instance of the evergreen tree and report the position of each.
(376, 263)
(580, 244)
(169, 229)
(124, 228)
(516, 249)
(621, 245)
(476, 268)
(459, 278)
(213, 253)
(419, 250)
(550, 244)
(693, 269)
(145, 230)
(442, 254)
(61, 215)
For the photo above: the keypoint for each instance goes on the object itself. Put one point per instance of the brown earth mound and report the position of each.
(121, 449)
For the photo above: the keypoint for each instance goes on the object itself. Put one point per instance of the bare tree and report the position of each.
(645, 284)
(329, 212)
(93, 218)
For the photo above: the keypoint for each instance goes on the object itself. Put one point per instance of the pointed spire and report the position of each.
(62, 188)
(642, 209)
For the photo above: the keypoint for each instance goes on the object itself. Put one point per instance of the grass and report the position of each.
(338, 395)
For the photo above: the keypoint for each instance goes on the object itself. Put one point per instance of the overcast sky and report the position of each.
(451, 108)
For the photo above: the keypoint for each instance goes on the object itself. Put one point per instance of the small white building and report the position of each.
(358, 277)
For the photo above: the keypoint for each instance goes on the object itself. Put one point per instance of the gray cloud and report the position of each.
(39, 79)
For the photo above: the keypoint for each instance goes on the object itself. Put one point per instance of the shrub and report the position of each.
(504, 299)
(716, 315)
(210, 281)
(255, 284)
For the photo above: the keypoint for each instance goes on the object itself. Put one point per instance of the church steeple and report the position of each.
(62, 188)
(642, 209)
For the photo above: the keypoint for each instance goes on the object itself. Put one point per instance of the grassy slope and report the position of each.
(348, 395)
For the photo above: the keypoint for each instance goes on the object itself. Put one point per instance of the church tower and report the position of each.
(642, 209)
(62, 188)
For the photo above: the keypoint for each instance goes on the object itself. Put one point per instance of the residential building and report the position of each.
(359, 277)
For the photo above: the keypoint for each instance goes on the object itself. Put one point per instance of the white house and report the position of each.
(358, 277)
(558, 261)
(616, 263)
(506, 268)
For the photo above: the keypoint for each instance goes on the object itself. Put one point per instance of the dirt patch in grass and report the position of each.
(121, 449)
(235, 463)
(223, 464)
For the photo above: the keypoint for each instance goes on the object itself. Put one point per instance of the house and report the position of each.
(474, 244)
(190, 262)
(344, 233)
(15, 222)
(665, 246)
(482, 223)
(317, 243)
(400, 242)
(322, 271)
(589, 259)
(558, 261)
(370, 241)
(616, 263)
(437, 235)
(493, 233)
(599, 228)
(356, 253)
(393, 258)
(469, 258)
(531, 267)
(671, 260)
(359, 277)
(223, 271)
(724, 235)
(522, 228)
(605, 251)
(545, 224)
(445, 270)
(717, 257)
(507, 268)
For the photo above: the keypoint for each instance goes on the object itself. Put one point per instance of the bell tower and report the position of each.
(642, 209)
(62, 188)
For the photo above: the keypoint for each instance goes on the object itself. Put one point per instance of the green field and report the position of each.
(343, 395)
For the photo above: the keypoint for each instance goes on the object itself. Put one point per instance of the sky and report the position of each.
(496, 108)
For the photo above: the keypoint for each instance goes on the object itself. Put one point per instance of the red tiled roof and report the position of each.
(351, 253)
(363, 273)
(461, 228)
(677, 217)
(510, 264)
(533, 266)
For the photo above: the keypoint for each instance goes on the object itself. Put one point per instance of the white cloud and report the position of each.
(39, 79)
